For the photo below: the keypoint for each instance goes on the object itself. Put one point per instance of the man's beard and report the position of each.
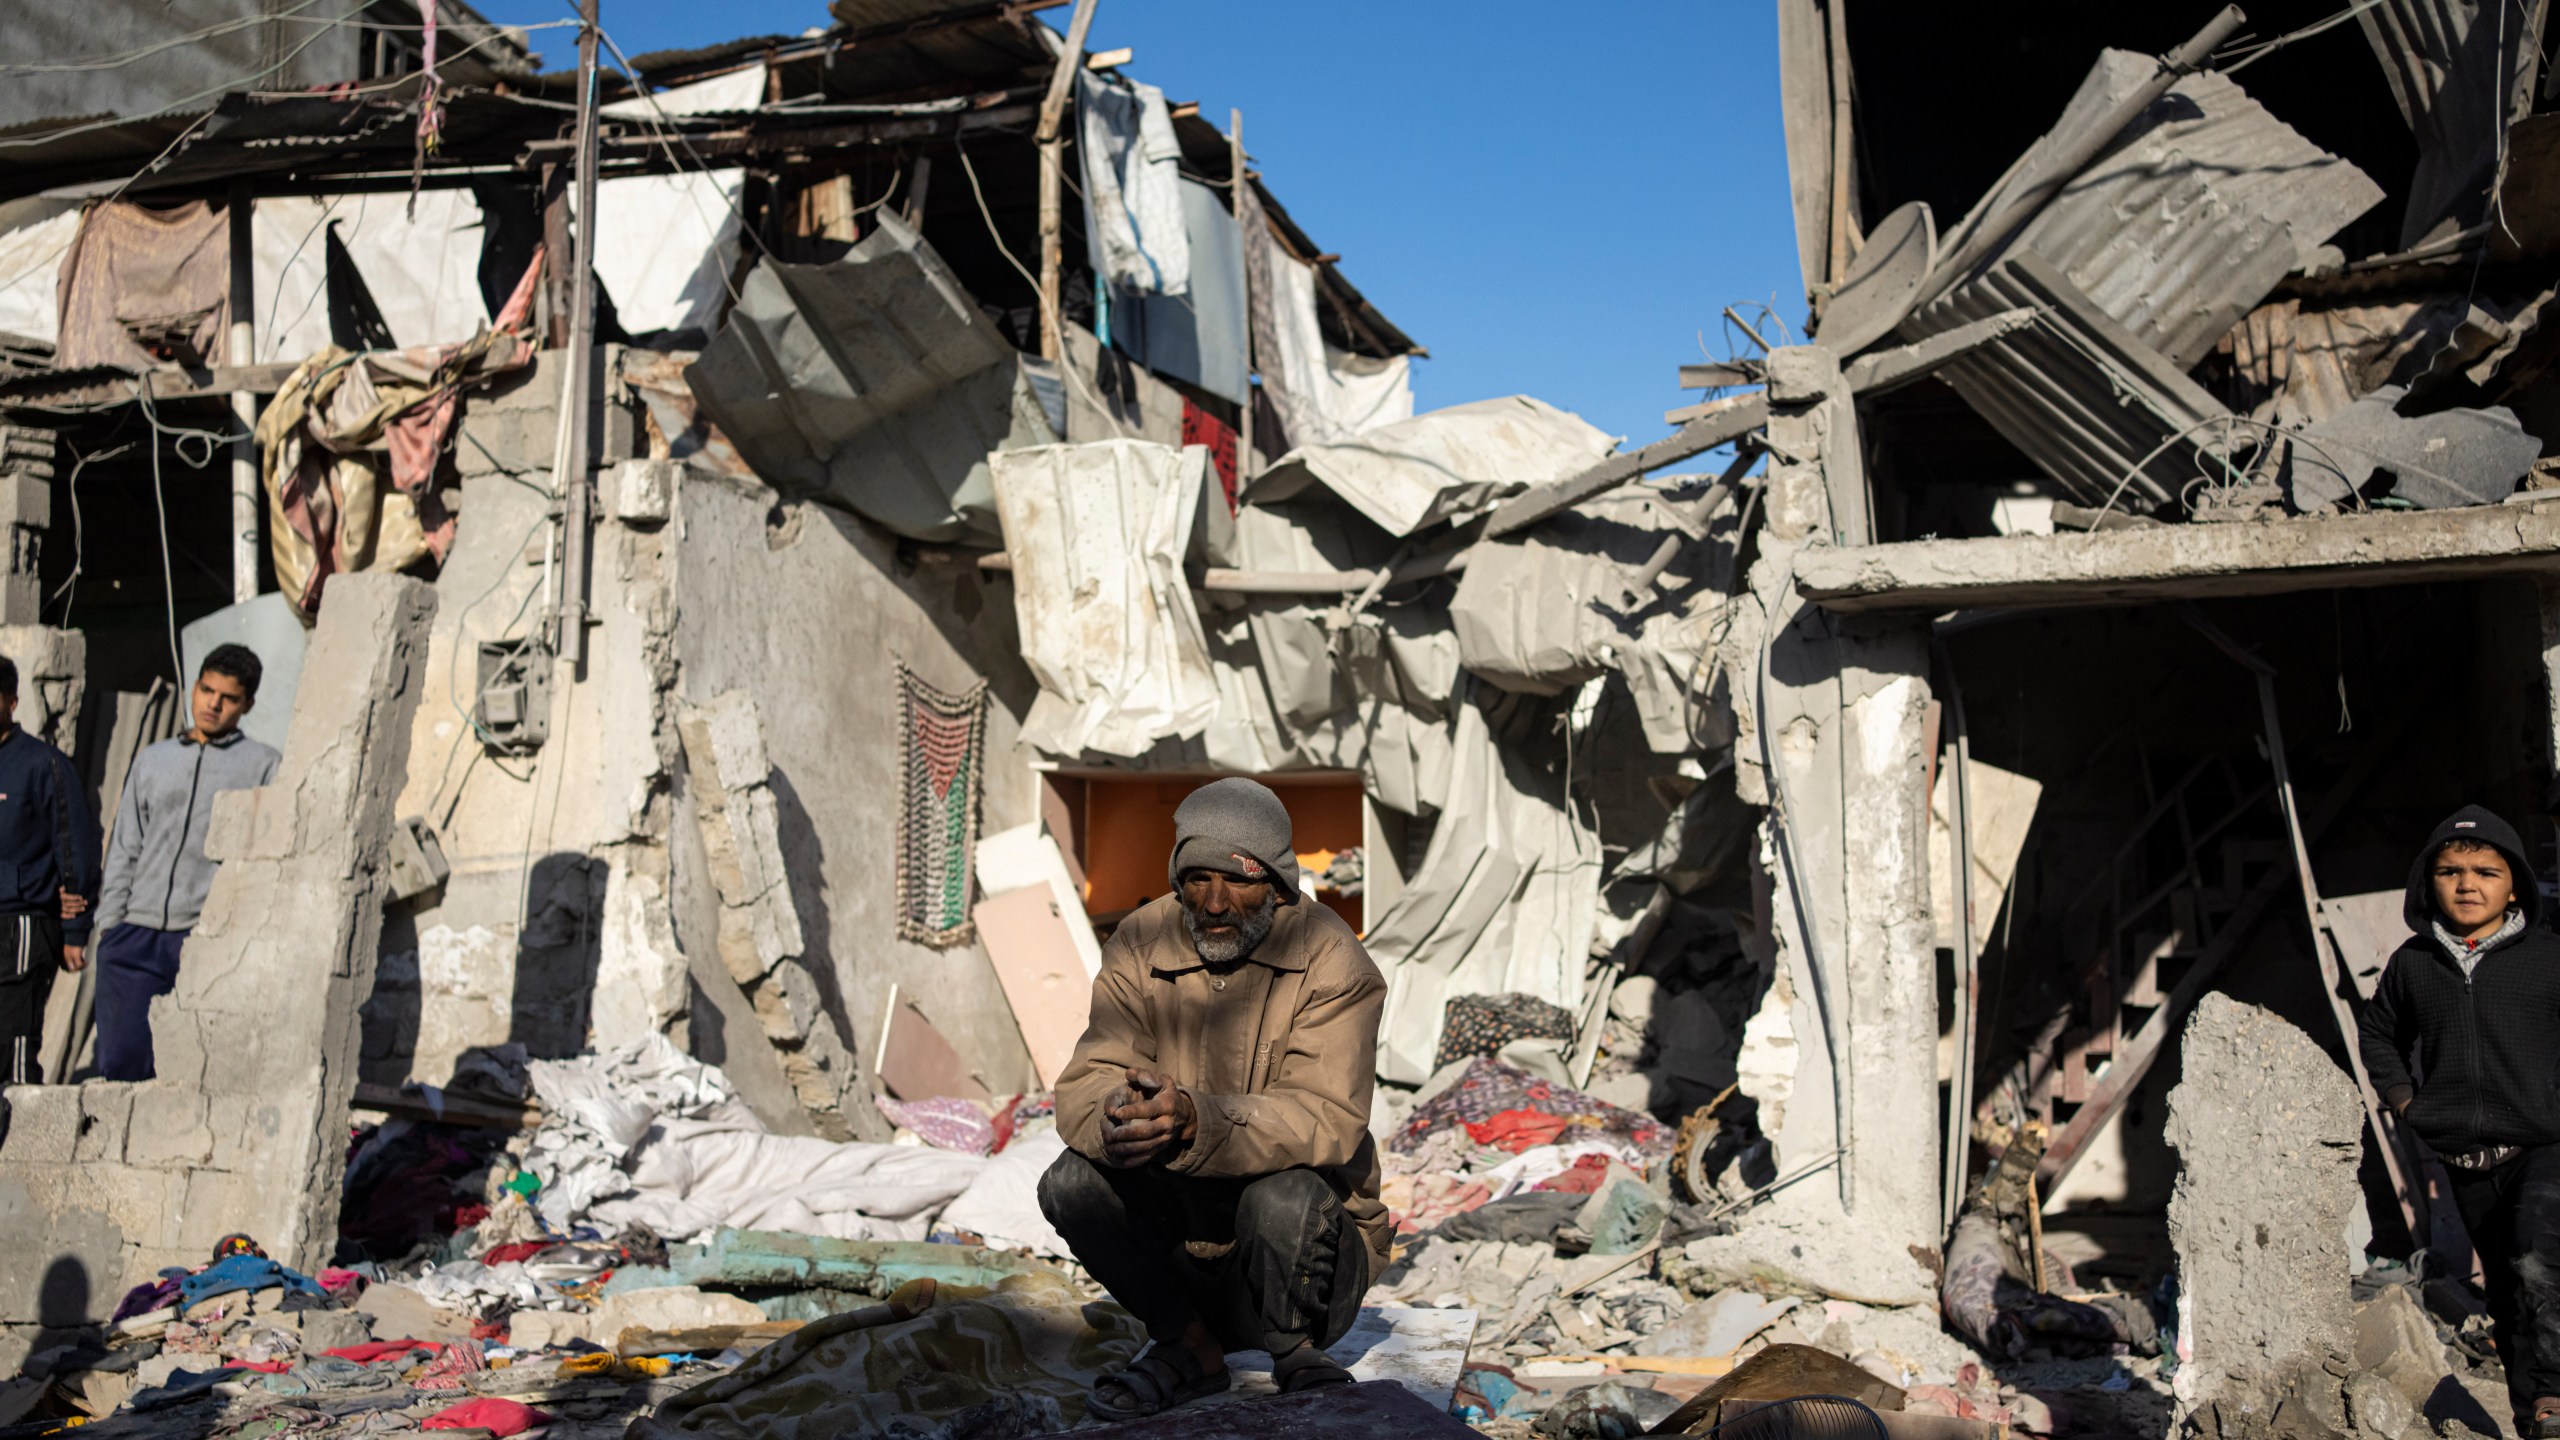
(1226, 949)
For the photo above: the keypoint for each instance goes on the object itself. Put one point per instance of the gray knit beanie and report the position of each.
(1239, 826)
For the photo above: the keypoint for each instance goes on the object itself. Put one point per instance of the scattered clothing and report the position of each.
(1488, 1088)
(182, 1386)
(501, 1418)
(1518, 1130)
(1132, 186)
(1483, 1024)
(944, 1121)
(1533, 1216)
(242, 1272)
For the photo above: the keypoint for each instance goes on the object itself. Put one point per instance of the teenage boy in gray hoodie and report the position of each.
(2474, 996)
(157, 873)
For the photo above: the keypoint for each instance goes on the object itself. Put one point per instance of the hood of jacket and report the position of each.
(2471, 822)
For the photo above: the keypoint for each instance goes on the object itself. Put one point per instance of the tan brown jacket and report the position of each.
(1279, 1054)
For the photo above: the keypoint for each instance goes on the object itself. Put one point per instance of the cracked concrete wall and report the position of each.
(553, 926)
(2268, 1132)
(1831, 736)
(245, 1129)
(810, 611)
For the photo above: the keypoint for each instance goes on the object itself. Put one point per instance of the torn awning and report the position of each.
(1442, 463)
(1097, 534)
(873, 381)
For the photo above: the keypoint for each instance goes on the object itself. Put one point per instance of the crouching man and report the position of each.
(1220, 1180)
(2475, 995)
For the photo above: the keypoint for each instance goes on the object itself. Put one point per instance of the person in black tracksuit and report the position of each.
(2462, 1039)
(48, 852)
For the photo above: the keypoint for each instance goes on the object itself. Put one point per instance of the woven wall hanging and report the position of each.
(942, 740)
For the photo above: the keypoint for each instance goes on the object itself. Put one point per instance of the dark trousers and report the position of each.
(30, 954)
(2513, 1213)
(1267, 1262)
(135, 964)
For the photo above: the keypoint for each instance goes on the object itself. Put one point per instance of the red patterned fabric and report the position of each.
(1199, 427)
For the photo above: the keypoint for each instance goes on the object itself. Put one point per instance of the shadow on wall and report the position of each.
(62, 1297)
(557, 949)
(805, 869)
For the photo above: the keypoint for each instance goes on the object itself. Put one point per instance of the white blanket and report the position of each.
(691, 1177)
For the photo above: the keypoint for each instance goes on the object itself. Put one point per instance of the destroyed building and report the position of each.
(809, 612)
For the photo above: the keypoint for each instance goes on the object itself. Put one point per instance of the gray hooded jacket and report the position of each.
(157, 873)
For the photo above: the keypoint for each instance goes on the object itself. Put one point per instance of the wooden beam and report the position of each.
(1053, 160)
(1695, 438)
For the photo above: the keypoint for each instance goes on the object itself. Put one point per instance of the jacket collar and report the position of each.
(1280, 950)
(224, 741)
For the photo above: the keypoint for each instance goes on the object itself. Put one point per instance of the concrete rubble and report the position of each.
(728, 691)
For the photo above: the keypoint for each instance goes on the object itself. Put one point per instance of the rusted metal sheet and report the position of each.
(2085, 398)
(2185, 224)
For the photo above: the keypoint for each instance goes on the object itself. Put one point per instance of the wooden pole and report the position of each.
(238, 351)
(577, 409)
(1236, 181)
(1053, 159)
(1842, 156)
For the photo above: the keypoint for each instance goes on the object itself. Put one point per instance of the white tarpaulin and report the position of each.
(1097, 534)
(1544, 611)
(1446, 462)
(422, 274)
(1506, 901)
(734, 93)
(35, 233)
(665, 245)
(1322, 394)
(1132, 186)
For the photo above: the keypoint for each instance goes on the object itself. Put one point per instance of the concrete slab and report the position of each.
(2186, 562)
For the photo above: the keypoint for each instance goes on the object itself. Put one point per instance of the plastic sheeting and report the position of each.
(1199, 336)
(735, 93)
(1506, 900)
(35, 233)
(1321, 394)
(1447, 462)
(1132, 186)
(421, 276)
(1541, 613)
(1097, 535)
(874, 381)
(665, 248)
(648, 1135)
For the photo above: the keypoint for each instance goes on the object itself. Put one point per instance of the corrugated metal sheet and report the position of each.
(873, 381)
(2446, 69)
(2177, 232)
(2084, 397)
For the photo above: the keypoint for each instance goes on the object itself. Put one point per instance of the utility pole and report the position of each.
(577, 406)
(236, 351)
(1053, 159)
(1237, 180)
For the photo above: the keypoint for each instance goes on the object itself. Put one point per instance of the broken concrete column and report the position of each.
(245, 1129)
(760, 941)
(1831, 737)
(2268, 1131)
(26, 510)
(53, 671)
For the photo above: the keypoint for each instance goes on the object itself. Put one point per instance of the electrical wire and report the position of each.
(79, 539)
(237, 82)
(1049, 313)
(160, 503)
(148, 166)
(2248, 54)
(294, 16)
(667, 125)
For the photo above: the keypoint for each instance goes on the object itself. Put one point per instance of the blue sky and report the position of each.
(1556, 201)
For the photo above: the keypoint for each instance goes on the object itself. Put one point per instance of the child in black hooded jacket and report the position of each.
(2474, 999)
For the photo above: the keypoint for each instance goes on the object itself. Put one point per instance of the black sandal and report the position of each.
(1307, 1368)
(1163, 1377)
